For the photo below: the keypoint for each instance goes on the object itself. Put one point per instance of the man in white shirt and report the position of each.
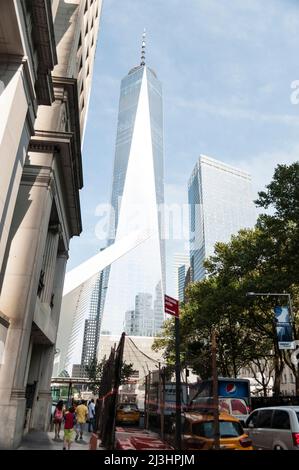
(91, 415)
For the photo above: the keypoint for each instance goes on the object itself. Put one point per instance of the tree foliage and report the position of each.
(94, 371)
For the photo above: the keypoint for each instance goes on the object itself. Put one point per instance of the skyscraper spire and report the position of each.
(143, 49)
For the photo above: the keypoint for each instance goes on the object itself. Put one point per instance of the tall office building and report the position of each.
(92, 325)
(181, 265)
(137, 196)
(140, 321)
(221, 203)
(47, 51)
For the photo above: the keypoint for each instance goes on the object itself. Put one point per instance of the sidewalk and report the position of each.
(37, 440)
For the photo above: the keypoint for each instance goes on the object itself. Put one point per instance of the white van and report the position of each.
(274, 428)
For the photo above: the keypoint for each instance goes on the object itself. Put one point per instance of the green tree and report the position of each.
(94, 371)
(264, 259)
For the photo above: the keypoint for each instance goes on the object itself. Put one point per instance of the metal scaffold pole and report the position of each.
(215, 393)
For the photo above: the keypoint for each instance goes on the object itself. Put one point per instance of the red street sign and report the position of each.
(171, 306)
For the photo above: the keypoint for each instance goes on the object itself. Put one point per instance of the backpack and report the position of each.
(58, 414)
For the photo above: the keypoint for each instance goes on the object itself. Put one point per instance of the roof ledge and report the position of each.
(44, 41)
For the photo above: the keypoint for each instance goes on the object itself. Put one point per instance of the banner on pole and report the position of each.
(284, 328)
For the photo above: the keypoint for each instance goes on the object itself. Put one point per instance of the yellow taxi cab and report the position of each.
(127, 413)
(198, 432)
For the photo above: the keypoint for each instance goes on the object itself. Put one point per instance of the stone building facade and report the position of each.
(47, 53)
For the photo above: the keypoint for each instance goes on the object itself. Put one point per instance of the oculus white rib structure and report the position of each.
(101, 260)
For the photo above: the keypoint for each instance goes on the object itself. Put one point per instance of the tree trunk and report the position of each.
(264, 384)
(278, 370)
(297, 383)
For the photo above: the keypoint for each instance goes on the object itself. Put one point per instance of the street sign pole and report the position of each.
(178, 383)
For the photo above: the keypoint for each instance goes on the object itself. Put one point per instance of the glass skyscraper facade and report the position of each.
(79, 327)
(136, 201)
(221, 203)
(181, 265)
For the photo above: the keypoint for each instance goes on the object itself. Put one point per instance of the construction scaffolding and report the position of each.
(108, 390)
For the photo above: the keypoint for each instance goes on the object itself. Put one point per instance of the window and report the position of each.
(128, 408)
(230, 429)
(281, 420)
(227, 429)
(252, 420)
(203, 429)
(264, 419)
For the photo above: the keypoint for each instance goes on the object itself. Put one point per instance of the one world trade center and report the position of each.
(133, 286)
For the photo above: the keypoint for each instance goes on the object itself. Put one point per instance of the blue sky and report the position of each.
(226, 67)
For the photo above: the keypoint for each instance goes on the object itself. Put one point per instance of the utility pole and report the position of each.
(171, 306)
(69, 393)
(145, 403)
(215, 393)
(148, 399)
(162, 398)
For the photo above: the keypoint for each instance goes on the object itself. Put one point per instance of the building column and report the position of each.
(16, 128)
(58, 286)
(49, 263)
(41, 409)
(24, 255)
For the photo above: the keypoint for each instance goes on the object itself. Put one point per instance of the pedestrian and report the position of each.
(58, 417)
(69, 423)
(91, 416)
(81, 417)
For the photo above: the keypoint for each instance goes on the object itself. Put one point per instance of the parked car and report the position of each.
(127, 413)
(274, 428)
(198, 432)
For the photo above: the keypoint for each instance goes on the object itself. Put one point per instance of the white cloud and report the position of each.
(262, 166)
(204, 107)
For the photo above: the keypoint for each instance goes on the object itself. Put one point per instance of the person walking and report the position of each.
(58, 418)
(91, 416)
(69, 423)
(81, 417)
